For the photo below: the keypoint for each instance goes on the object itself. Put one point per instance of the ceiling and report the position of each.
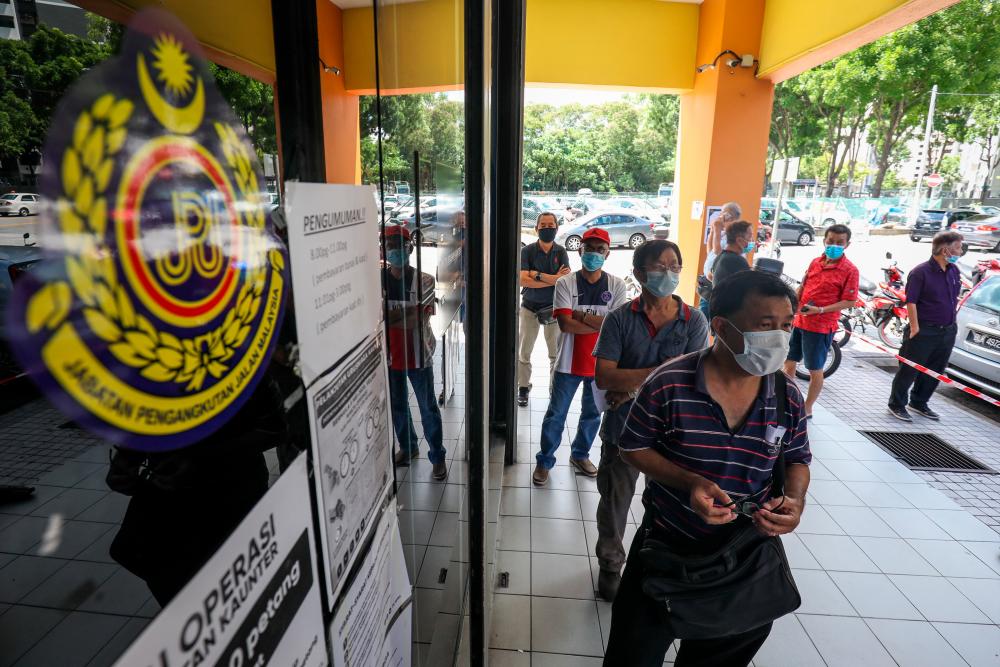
(351, 4)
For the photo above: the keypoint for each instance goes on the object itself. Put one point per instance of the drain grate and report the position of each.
(925, 451)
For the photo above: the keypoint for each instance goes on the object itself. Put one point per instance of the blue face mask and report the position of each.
(834, 251)
(750, 247)
(398, 257)
(661, 284)
(952, 259)
(592, 260)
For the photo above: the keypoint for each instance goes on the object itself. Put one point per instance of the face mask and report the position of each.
(592, 260)
(749, 248)
(398, 257)
(547, 234)
(764, 352)
(952, 259)
(834, 251)
(661, 284)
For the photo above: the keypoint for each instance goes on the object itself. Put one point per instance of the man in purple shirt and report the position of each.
(931, 299)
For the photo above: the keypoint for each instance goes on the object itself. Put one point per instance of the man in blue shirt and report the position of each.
(635, 339)
(705, 431)
(932, 290)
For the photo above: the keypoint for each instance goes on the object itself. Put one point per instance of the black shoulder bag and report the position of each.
(741, 586)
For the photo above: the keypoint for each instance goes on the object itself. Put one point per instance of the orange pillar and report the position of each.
(724, 127)
(341, 116)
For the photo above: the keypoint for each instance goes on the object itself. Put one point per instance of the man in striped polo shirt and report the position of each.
(704, 430)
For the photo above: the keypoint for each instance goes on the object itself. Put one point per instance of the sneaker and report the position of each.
(900, 413)
(403, 458)
(607, 584)
(522, 396)
(584, 466)
(541, 476)
(439, 471)
(926, 412)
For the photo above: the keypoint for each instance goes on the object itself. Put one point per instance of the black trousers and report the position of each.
(931, 348)
(640, 634)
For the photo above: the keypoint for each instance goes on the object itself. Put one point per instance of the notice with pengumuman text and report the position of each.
(333, 246)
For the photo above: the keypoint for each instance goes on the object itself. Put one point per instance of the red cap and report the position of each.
(597, 233)
(399, 230)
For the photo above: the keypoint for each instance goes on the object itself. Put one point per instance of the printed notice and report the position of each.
(373, 624)
(256, 602)
(333, 245)
(349, 421)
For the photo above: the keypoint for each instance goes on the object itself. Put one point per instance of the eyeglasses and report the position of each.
(660, 268)
(748, 507)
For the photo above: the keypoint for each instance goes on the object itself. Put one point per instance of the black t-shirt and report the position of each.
(727, 264)
(534, 259)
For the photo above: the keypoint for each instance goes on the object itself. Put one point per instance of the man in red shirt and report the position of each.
(830, 285)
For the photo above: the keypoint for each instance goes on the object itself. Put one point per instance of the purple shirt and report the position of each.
(934, 291)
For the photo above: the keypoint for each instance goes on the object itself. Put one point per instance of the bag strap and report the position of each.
(781, 404)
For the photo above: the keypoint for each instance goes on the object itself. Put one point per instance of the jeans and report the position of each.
(616, 482)
(422, 380)
(564, 388)
(703, 306)
(527, 335)
(931, 348)
(640, 633)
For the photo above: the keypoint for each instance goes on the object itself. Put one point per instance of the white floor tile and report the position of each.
(911, 523)
(952, 559)
(833, 493)
(984, 594)
(539, 659)
(879, 494)
(788, 645)
(558, 536)
(815, 519)
(515, 501)
(851, 471)
(565, 626)
(914, 643)
(562, 576)
(963, 526)
(860, 521)
(978, 644)
(515, 533)
(894, 556)
(797, 553)
(517, 565)
(588, 505)
(555, 504)
(938, 600)
(894, 472)
(435, 559)
(820, 594)
(925, 497)
(845, 642)
(838, 552)
(511, 622)
(875, 596)
(987, 552)
(500, 658)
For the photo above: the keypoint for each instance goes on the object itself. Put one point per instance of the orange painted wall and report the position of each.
(724, 126)
(341, 116)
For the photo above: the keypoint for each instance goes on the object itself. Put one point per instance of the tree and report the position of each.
(253, 103)
(984, 129)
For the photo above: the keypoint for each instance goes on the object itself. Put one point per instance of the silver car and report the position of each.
(19, 203)
(980, 231)
(625, 227)
(976, 357)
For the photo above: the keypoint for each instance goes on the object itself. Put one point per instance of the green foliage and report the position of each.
(253, 103)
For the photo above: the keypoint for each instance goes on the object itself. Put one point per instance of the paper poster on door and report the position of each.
(255, 602)
(711, 211)
(372, 627)
(333, 246)
(349, 420)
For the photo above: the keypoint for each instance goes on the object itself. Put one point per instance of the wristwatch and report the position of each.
(538, 276)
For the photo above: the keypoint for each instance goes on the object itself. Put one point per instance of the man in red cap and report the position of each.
(581, 301)
(410, 301)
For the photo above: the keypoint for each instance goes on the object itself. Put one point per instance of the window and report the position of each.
(7, 22)
(986, 296)
(9, 197)
(28, 198)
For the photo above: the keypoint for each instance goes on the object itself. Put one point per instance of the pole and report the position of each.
(777, 208)
(926, 157)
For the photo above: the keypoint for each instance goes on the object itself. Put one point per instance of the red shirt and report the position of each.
(826, 284)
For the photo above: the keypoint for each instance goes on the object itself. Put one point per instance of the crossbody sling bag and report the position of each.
(743, 585)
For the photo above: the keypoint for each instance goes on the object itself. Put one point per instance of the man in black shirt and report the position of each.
(542, 264)
(732, 259)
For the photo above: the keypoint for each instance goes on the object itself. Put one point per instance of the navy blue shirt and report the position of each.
(630, 339)
(534, 259)
(935, 292)
(675, 417)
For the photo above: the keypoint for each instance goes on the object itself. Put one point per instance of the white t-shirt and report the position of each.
(573, 292)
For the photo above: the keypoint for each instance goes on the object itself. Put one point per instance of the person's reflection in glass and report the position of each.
(410, 300)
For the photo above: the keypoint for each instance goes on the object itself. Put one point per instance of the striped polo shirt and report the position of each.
(675, 416)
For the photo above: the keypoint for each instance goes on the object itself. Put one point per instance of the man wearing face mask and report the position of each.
(635, 339)
(733, 259)
(829, 286)
(542, 264)
(717, 239)
(705, 430)
(410, 303)
(932, 290)
(581, 301)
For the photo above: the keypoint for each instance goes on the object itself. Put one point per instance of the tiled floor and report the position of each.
(891, 571)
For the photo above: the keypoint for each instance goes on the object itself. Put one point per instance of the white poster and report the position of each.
(349, 421)
(333, 246)
(373, 625)
(255, 602)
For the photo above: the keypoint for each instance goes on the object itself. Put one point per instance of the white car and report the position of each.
(20, 203)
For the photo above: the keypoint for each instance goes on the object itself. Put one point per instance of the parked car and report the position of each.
(409, 209)
(532, 207)
(990, 210)
(979, 231)
(665, 190)
(930, 221)
(641, 206)
(20, 203)
(15, 261)
(791, 229)
(975, 359)
(625, 227)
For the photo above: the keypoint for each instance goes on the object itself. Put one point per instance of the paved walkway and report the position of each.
(891, 570)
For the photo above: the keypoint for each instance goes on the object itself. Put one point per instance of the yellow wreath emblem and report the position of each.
(86, 170)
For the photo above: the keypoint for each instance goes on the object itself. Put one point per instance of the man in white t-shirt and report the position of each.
(581, 301)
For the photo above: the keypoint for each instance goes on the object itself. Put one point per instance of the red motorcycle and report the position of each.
(883, 306)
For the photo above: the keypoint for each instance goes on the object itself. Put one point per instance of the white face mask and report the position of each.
(764, 352)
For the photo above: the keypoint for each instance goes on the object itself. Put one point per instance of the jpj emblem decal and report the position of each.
(160, 304)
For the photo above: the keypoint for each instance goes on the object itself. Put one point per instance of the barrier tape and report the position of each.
(924, 369)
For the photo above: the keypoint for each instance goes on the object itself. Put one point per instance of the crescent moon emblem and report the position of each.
(182, 120)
